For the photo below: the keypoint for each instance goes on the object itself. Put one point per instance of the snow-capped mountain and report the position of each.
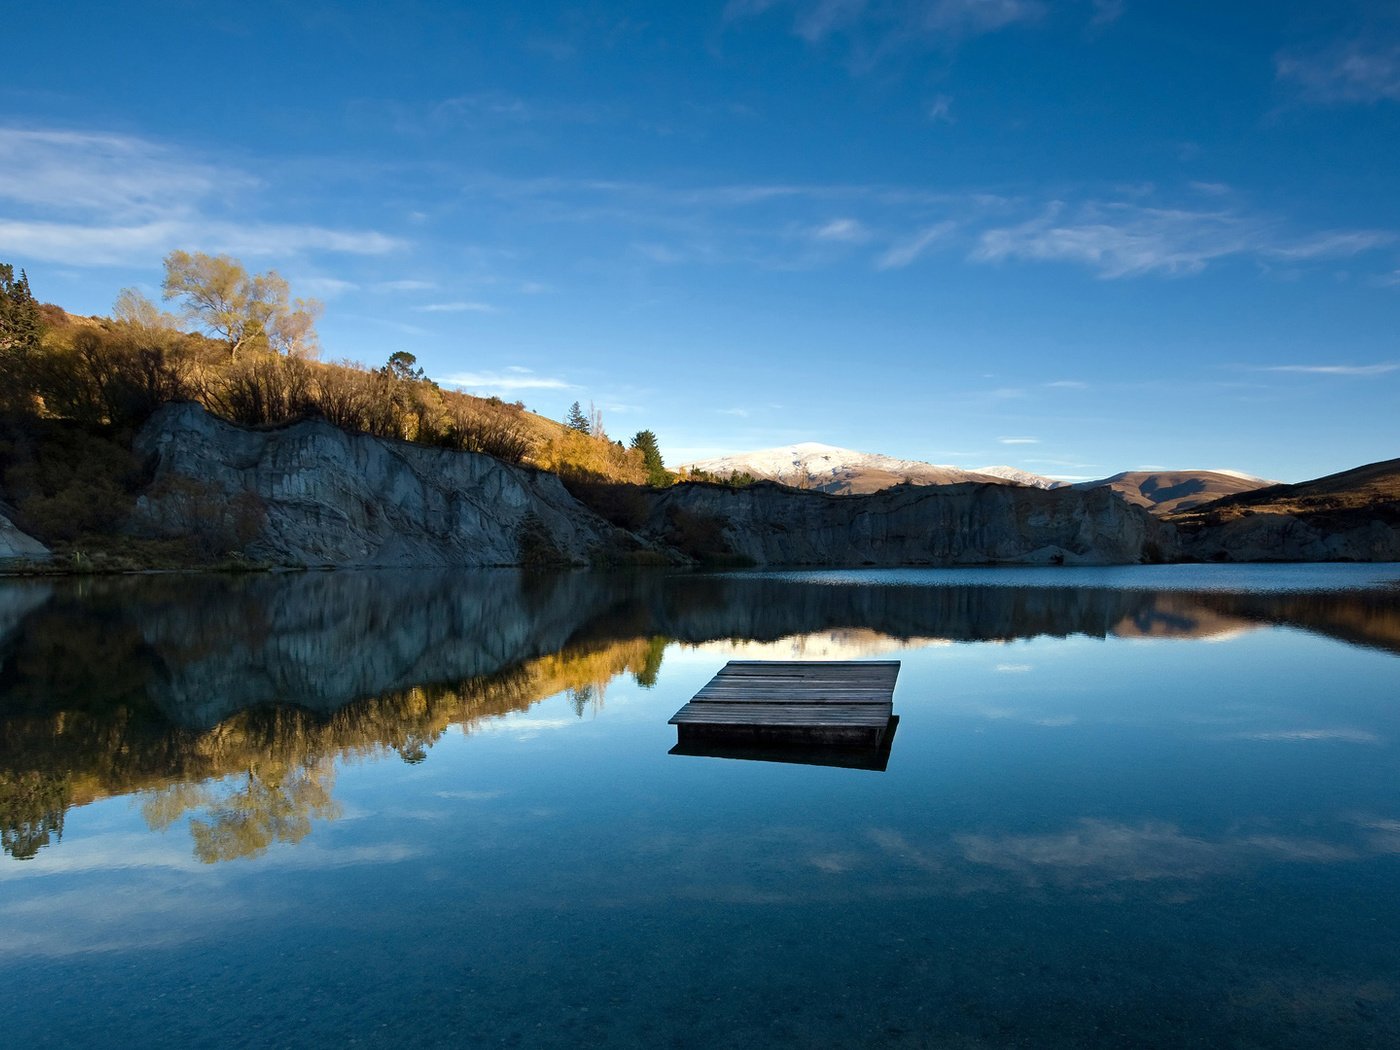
(1021, 477)
(827, 468)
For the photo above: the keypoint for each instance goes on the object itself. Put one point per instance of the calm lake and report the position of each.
(1124, 807)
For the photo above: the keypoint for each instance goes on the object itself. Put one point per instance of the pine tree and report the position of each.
(645, 443)
(576, 420)
(19, 313)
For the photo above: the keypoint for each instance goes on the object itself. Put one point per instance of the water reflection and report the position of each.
(227, 702)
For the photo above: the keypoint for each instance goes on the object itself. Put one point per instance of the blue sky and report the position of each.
(1076, 237)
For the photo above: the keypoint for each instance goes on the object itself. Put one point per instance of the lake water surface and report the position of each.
(1124, 807)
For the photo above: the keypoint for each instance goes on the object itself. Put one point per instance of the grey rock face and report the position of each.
(311, 494)
(1365, 537)
(911, 525)
(15, 544)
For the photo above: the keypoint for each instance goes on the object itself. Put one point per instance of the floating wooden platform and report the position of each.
(786, 750)
(757, 702)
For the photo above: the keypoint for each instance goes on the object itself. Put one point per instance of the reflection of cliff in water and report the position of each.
(228, 700)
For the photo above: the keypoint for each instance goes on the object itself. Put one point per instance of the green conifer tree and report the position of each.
(645, 443)
(19, 313)
(576, 420)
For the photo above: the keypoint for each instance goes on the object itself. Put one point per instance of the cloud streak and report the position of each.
(509, 381)
(1120, 239)
(1357, 71)
(97, 199)
(883, 27)
(906, 252)
(457, 308)
(1335, 370)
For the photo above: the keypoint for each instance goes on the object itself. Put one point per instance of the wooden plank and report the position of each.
(781, 714)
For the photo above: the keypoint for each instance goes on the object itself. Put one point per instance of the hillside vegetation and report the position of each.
(73, 391)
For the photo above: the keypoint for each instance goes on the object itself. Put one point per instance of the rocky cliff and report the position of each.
(969, 524)
(311, 494)
(17, 545)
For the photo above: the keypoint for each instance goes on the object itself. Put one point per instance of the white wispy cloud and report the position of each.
(906, 252)
(880, 27)
(847, 231)
(1141, 230)
(1357, 71)
(122, 176)
(742, 413)
(1067, 384)
(1123, 239)
(101, 199)
(1019, 441)
(457, 308)
(77, 244)
(1332, 244)
(511, 379)
(407, 285)
(329, 287)
(1335, 370)
(940, 110)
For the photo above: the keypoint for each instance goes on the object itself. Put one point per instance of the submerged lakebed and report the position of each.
(1124, 807)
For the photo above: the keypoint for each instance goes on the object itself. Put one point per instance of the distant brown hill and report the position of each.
(1170, 491)
(1350, 516)
(1365, 487)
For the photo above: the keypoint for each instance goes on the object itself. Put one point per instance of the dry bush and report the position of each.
(67, 480)
(262, 388)
(494, 430)
(205, 517)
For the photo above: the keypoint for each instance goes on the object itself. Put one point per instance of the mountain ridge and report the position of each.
(843, 471)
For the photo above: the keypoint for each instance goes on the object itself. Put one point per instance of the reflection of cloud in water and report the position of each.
(1014, 714)
(896, 845)
(835, 863)
(470, 796)
(1013, 668)
(842, 644)
(1384, 834)
(1229, 635)
(1096, 852)
(523, 729)
(1342, 735)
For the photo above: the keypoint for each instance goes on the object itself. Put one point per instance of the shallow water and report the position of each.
(1124, 807)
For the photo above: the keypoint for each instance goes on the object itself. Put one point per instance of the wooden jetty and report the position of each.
(765, 708)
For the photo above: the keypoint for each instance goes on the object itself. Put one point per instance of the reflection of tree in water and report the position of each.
(586, 697)
(32, 806)
(264, 775)
(241, 816)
